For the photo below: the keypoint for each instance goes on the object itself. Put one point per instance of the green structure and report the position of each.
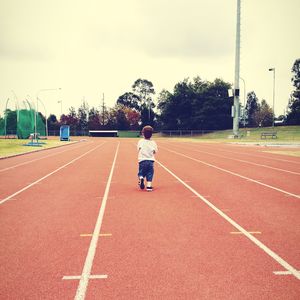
(21, 123)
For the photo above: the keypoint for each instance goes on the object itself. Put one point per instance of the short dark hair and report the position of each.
(147, 132)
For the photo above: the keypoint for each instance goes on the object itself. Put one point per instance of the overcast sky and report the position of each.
(92, 47)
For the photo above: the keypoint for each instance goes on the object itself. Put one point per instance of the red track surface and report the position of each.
(168, 244)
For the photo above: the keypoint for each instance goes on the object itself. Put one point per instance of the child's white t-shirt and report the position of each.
(147, 149)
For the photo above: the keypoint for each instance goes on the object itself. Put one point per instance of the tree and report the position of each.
(70, 119)
(94, 120)
(83, 113)
(11, 121)
(53, 124)
(118, 118)
(196, 105)
(130, 100)
(263, 116)
(293, 116)
(251, 108)
(133, 117)
(144, 89)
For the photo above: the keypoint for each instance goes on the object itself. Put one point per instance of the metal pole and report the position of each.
(37, 98)
(45, 117)
(273, 69)
(244, 120)
(236, 103)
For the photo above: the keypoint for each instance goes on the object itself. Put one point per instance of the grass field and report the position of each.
(10, 147)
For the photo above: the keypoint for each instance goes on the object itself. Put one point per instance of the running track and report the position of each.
(222, 223)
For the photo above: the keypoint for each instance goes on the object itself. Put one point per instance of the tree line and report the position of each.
(193, 104)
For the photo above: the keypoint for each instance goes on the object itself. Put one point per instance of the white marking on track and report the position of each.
(79, 277)
(244, 161)
(46, 176)
(284, 273)
(257, 242)
(86, 272)
(235, 174)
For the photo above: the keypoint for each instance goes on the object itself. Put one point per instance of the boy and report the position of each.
(146, 150)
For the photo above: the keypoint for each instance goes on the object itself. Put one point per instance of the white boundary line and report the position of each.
(33, 160)
(258, 243)
(235, 174)
(260, 156)
(44, 177)
(78, 277)
(241, 160)
(86, 272)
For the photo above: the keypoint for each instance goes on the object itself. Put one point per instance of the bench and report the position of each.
(272, 134)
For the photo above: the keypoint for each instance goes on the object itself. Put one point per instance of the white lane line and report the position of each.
(244, 161)
(235, 174)
(86, 272)
(252, 155)
(267, 250)
(283, 273)
(46, 176)
(33, 160)
(79, 277)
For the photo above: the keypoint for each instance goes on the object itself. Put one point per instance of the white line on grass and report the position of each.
(267, 250)
(86, 272)
(244, 161)
(46, 176)
(235, 174)
(33, 160)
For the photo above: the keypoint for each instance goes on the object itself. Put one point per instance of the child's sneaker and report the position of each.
(149, 188)
(141, 183)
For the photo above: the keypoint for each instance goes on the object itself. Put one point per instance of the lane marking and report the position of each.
(283, 273)
(33, 160)
(49, 174)
(241, 160)
(86, 272)
(235, 174)
(257, 242)
(90, 234)
(251, 232)
(79, 277)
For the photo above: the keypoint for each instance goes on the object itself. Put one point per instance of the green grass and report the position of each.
(10, 147)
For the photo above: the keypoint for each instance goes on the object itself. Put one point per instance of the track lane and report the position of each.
(14, 180)
(41, 229)
(275, 179)
(253, 153)
(214, 152)
(164, 244)
(254, 207)
(169, 245)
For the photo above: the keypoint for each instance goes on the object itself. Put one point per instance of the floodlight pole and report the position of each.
(37, 99)
(244, 120)
(273, 69)
(236, 103)
(45, 117)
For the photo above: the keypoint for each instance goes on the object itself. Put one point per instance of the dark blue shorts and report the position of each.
(146, 169)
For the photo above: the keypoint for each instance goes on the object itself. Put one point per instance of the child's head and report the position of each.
(147, 132)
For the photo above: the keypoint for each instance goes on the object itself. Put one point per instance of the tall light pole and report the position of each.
(273, 70)
(244, 120)
(37, 105)
(236, 103)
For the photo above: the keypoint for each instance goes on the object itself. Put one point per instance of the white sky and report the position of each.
(90, 47)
